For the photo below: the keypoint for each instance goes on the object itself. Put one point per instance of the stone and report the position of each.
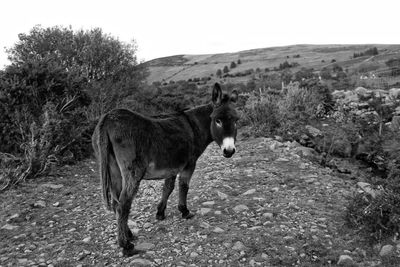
(141, 262)
(218, 230)
(205, 225)
(86, 240)
(239, 246)
(346, 260)
(221, 195)
(367, 188)
(9, 227)
(305, 152)
(314, 132)
(144, 246)
(40, 204)
(268, 215)
(204, 211)
(240, 208)
(282, 160)
(193, 254)
(53, 186)
(208, 203)
(249, 192)
(386, 250)
(13, 218)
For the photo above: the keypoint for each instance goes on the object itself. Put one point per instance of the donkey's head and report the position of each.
(223, 120)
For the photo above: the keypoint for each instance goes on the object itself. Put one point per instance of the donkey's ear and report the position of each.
(234, 96)
(216, 94)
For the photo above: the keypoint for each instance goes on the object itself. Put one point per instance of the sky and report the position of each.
(170, 27)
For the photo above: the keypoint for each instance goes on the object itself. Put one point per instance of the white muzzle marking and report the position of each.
(228, 144)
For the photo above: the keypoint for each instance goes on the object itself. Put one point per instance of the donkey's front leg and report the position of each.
(169, 185)
(184, 180)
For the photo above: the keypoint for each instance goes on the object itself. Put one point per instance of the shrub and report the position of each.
(261, 113)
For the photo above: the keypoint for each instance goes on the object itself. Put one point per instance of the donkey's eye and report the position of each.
(218, 122)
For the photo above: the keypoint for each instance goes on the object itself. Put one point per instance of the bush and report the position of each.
(261, 113)
(379, 217)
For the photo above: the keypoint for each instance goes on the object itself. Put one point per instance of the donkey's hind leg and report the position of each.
(184, 180)
(129, 190)
(168, 187)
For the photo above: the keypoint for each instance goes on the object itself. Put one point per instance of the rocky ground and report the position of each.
(267, 206)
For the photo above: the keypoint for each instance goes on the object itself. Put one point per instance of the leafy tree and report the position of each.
(233, 65)
(66, 70)
(109, 66)
(239, 61)
(219, 73)
(226, 69)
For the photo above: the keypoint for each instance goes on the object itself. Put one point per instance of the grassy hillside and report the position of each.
(185, 67)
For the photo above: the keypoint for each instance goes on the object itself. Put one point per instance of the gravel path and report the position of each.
(266, 206)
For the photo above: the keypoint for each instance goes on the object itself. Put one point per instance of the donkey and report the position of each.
(131, 147)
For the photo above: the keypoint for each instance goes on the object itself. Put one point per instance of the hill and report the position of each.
(185, 67)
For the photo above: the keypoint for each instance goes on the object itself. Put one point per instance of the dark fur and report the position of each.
(131, 147)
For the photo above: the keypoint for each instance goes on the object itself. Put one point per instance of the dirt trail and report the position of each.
(264, 207)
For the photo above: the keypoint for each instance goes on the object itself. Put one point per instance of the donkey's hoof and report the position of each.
(188, 215)
(129, 252)
(160, 217)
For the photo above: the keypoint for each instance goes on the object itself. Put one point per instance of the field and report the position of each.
(185, 67)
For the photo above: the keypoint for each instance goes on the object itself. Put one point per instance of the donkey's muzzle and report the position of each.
(228, 147)
(228, 152)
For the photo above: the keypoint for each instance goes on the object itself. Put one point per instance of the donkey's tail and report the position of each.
(104, 147)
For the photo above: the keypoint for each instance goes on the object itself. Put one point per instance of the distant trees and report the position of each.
(226, 69)
(233, 65)
(239, 61)
(219, 73)
(394, 64)
(369, 52)
(287, 65)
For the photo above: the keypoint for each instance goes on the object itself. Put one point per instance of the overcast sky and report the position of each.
(165, 27)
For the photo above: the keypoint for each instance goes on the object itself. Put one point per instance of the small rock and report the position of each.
(57, 204)
(240, 208)
(249, 192)
(346, 260)
(366, 187)
(275, 189)
(217, 212)
(204, 211)
(221, 195)
(86, 240)
(13, 218)
(268, 215)
(53, 186)
(205, 225)
(40, 204)
(141, 262)
(386, 250)
(208, 203)
(218, 230)
(22, 261)
(193, 254)
(282, 160)
(144, 246)
(238, 246)
(9, 227)
(314, 132)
